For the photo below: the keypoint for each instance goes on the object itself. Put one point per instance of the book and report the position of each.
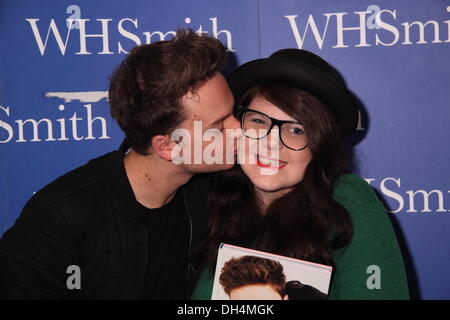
(247, 274)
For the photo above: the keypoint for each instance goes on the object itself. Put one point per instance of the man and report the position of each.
(123, 225)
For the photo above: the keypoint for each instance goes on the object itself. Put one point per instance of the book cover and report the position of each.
(247, 274)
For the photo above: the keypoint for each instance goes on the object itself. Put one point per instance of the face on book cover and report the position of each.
(256, 292)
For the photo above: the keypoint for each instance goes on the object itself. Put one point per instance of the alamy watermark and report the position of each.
(374, 280)
(74, 280)
(214, 146)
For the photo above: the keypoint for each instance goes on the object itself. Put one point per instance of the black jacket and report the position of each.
(87, 218)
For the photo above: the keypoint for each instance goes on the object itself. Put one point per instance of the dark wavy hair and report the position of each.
(306, 223)
(146, 88)
(248, 270)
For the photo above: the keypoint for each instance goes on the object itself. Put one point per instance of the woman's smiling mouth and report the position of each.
(265, 162)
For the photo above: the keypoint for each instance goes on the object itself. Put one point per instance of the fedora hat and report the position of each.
(304, 70)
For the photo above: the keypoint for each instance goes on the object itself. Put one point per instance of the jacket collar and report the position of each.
(124, 195)
(122, 189)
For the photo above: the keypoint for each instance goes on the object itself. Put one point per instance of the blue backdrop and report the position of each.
(393, 55)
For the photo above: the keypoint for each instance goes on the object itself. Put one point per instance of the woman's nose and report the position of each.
(273, 139)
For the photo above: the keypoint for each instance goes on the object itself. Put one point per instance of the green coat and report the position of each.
(373, 244)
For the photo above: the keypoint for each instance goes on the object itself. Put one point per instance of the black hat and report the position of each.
(304, 70)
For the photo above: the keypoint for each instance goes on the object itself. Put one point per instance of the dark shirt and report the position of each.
(168, 231)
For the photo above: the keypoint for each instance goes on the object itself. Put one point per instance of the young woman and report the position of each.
(299, 203)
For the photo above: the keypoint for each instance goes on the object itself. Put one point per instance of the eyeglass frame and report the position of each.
(274, 122)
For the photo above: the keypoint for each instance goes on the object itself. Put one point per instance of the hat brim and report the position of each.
(299, 75)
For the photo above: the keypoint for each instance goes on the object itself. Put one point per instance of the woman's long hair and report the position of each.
(306, 223)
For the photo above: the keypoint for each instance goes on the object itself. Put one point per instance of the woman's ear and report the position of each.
(162, 145)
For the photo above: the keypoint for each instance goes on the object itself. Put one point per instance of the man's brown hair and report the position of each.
(248, 270)
(146, 88)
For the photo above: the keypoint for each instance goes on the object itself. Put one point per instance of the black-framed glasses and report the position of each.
(257, 125)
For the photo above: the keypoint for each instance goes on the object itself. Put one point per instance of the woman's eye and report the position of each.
(259, 121)
(296, 131)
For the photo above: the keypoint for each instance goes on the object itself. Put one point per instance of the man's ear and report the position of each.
(162, 146)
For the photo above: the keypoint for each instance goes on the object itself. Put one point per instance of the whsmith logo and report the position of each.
(84, 125)
(410, 201)
(126, 27)
(375, 26)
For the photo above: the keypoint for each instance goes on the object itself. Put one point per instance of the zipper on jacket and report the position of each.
(190, 235)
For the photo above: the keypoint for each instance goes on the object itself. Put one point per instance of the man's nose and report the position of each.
(233, 123)
(233, 132)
